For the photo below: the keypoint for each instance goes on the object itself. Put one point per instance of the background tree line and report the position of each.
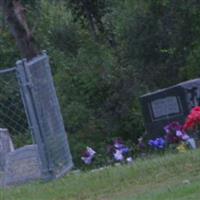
(105, 54)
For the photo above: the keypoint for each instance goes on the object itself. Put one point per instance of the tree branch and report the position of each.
(15, 16)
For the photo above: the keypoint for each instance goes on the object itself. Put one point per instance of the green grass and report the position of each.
(161, 178)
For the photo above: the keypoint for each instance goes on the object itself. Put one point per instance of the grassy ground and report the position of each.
(161, 178)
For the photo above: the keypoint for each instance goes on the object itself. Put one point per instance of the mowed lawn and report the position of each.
(167, 177)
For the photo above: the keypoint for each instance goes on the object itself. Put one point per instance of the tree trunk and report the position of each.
(16, 19)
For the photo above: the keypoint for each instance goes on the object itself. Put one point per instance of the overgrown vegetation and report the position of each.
(105, 54)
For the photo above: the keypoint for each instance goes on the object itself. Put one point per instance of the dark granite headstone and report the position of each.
(6, 146)
(169, 104)
(22, 165)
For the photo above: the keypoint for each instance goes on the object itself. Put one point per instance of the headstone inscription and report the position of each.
(170, 104)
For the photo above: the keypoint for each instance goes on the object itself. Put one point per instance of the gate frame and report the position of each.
(35, 124)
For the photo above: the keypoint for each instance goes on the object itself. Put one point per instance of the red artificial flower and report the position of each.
(193, 119)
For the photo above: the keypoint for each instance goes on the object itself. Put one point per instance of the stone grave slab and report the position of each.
(22, 165)
(6, 146)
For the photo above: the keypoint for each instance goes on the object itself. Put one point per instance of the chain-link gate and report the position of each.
(45, 119)
(29, 107)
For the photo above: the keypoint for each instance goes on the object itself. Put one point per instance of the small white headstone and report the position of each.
(6, 146)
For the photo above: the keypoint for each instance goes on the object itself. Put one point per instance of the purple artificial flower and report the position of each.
(124, 150)
(158, 143)
(120, 150)
(118, 143)
(185, 137)
(88, 155)
(172, 127)
(182, 135)
(174, 133)
(151, 143)
(161, 141)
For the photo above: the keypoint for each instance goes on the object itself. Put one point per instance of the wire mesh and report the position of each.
(12, 113)
(50, 135)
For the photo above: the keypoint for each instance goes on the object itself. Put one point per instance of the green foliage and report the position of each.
(8, 51)
(56, 31)
(191, 69)
(157, 38)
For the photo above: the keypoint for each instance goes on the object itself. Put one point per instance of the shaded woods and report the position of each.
(104, 55)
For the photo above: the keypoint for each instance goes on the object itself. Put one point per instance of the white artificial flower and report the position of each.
(87, 160)
(118, 155)
(191, 142)
(91, 151)
(185, 137)
(179, 133)
(129, 160)
(89, 155)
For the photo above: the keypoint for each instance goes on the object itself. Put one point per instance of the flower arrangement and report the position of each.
(175, 133)
(120, 151)
(175, 136)
(88, 155)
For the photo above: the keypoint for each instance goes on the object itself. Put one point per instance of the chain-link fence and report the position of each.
(12, 113)
(29, 109)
